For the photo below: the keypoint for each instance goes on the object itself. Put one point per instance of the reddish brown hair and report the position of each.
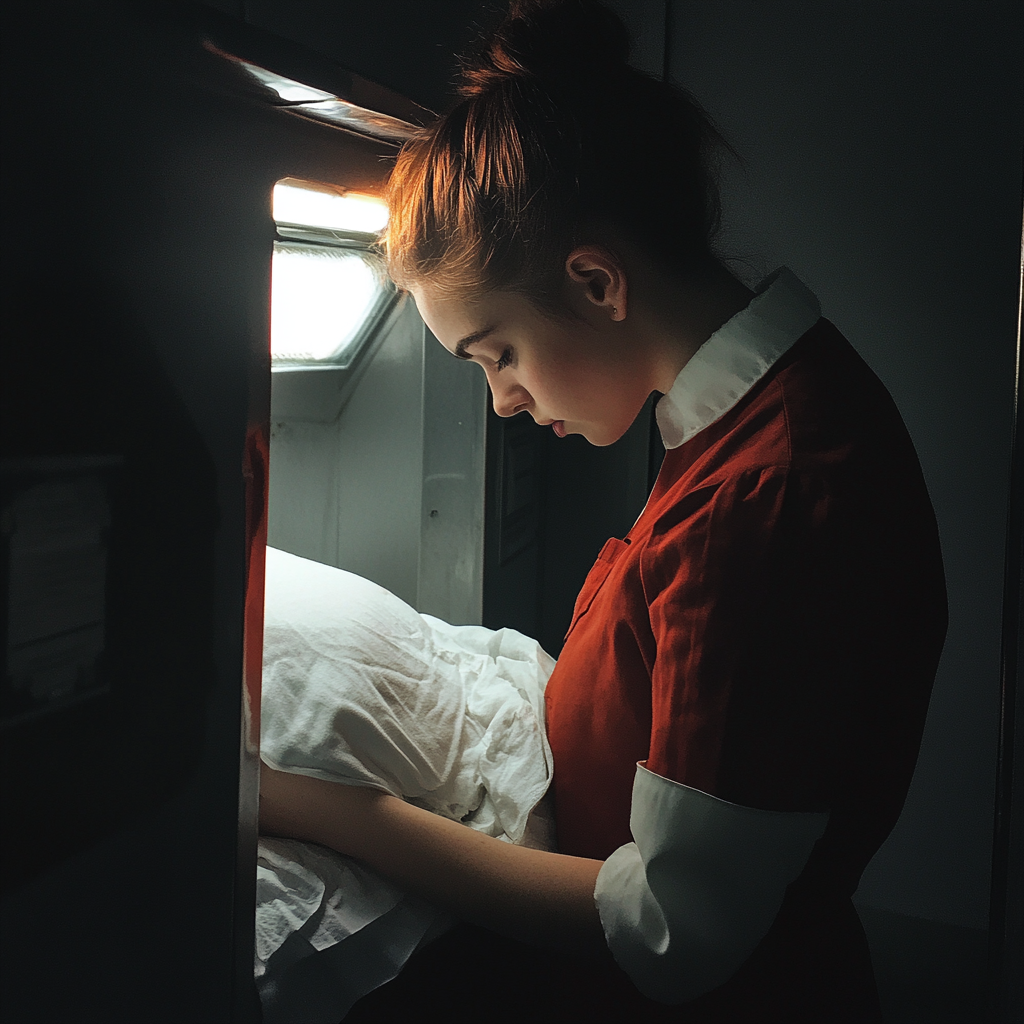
(556, 141)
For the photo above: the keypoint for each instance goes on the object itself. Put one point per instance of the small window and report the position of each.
(326, 293)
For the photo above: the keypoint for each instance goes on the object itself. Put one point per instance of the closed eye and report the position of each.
(505, 359)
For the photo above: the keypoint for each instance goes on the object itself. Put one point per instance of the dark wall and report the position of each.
(882, 163)
(137, 170)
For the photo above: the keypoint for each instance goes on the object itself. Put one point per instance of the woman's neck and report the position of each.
(677, 312)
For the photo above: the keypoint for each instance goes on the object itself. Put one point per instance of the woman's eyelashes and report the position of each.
(505, 359)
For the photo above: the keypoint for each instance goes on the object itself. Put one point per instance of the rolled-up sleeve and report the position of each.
(685, 904)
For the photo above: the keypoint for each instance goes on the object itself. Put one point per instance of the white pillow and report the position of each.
(359, 688)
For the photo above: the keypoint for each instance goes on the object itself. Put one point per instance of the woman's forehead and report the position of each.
(448, 318)
(457, 321)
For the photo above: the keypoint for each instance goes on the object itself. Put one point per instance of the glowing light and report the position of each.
(349, 212)
(320, 298)
(310, 102)
(288, 89)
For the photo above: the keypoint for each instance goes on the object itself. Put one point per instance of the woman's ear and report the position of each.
(601, 279)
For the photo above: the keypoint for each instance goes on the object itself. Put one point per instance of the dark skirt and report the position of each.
(813, 967)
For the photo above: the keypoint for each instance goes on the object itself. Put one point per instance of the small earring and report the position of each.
(615, 311)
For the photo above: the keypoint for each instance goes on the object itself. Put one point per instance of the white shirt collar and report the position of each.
(737, 356)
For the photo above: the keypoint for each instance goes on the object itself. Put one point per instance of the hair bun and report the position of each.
(563, 41)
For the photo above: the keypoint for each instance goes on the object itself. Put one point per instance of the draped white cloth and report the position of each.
(360, 689)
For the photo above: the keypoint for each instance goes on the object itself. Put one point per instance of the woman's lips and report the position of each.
(559, 427)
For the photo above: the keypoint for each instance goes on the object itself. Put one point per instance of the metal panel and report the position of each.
(348, 493)
(451, 566)
(394, 488)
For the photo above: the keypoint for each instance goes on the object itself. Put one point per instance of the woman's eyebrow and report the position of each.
(472, 339)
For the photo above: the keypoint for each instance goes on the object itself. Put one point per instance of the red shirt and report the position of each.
(769, 630)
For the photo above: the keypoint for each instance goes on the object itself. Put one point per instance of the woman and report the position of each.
(737, 710)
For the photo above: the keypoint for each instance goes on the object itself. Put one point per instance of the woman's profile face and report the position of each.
(575, 375)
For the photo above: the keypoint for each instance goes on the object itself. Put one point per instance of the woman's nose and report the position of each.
(509, 401)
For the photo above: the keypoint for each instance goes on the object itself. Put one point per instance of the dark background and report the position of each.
(881, 148)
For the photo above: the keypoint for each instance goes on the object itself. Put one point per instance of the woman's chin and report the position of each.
(599, 436)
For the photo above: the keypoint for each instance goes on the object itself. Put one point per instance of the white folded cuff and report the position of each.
(686, 903)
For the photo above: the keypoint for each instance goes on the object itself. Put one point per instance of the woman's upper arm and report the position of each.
(745, 681)
(686, 903)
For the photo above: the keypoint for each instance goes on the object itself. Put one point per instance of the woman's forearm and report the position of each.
(539, 897)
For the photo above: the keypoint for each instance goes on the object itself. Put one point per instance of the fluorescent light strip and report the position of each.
(323, 106)
(331, 211)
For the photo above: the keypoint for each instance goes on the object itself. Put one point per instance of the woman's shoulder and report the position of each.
(818, 440)
(819, 410)
(832, 397)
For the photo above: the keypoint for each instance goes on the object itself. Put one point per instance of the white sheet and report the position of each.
(358, 688)
(328, 931)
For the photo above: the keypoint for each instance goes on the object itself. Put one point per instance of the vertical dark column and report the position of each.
(517, 486)
(1006, 931)
(135, 271)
